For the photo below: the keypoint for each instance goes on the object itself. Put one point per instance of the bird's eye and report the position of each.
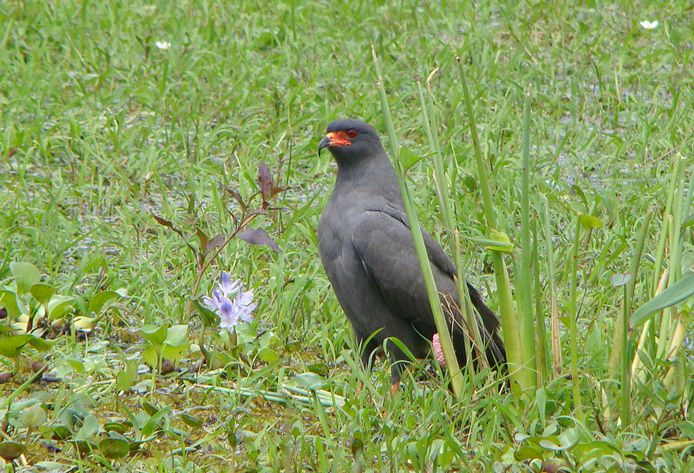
(351, 133)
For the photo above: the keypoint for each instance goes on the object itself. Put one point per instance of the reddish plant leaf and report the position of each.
(167, 223)
(238, 199)
(265, 181)
(258, 236)
(203, 239)
(215, 242)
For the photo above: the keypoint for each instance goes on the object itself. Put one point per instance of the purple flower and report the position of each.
(227, 286)
(244, 305)
(231, 303)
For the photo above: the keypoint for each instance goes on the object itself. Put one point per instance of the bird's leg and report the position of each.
(395, 374)
(357, 390)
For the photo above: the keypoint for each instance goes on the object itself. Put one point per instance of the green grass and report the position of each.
(99, 128)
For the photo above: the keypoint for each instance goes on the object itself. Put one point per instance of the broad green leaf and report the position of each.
(245, 333)
(126, 377)
(98, 301)
(268, 355)
(90, 426)
(678, 292)
(594, 449)
(40, 344)
(177, 335)
(408, 158)
(569, 438)
(551, 442)
(84, 323)
(153, 422)
(42, 292)
(8, 300)
(498, 241)
(151, 356)
(58, 306)
(590, 221)
(33, 417)
(320, 369)
(11, 450)
(268, 339)
(528, 452)
(209, 318)
(149, 408)
(25, 276)
(114, 448)
(154, 334)
(60, 432)
(550, 429)
(84, 447)
(76, 365)
(119, 427)
(310, 380)
(173, 353)
(191, 420)
(11, 345)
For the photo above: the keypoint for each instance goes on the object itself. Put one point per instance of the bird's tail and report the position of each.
(489, 331)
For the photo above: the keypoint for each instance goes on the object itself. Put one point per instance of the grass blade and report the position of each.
(673, 295)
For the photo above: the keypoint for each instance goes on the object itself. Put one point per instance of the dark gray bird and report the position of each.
(367, 251)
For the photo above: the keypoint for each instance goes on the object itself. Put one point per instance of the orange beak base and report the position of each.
(339, 138)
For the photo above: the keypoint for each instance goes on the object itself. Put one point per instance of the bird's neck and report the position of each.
(372, 174)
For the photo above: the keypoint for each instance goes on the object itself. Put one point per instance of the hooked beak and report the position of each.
(336, 138)
(324, 143)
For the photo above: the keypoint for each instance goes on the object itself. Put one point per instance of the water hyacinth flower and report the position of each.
(230, 302)
(227, 286)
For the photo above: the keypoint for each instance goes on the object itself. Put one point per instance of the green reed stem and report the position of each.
(526, 318)
(443, 185)
(520, 372)
(424, 263)
(573, 332)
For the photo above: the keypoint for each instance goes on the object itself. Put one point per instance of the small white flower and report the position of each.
(649, 25)
(167, 45)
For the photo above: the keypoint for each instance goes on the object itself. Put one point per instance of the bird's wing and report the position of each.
(436, 254)
(383, 242)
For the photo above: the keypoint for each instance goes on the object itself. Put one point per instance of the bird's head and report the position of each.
(349, 140)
